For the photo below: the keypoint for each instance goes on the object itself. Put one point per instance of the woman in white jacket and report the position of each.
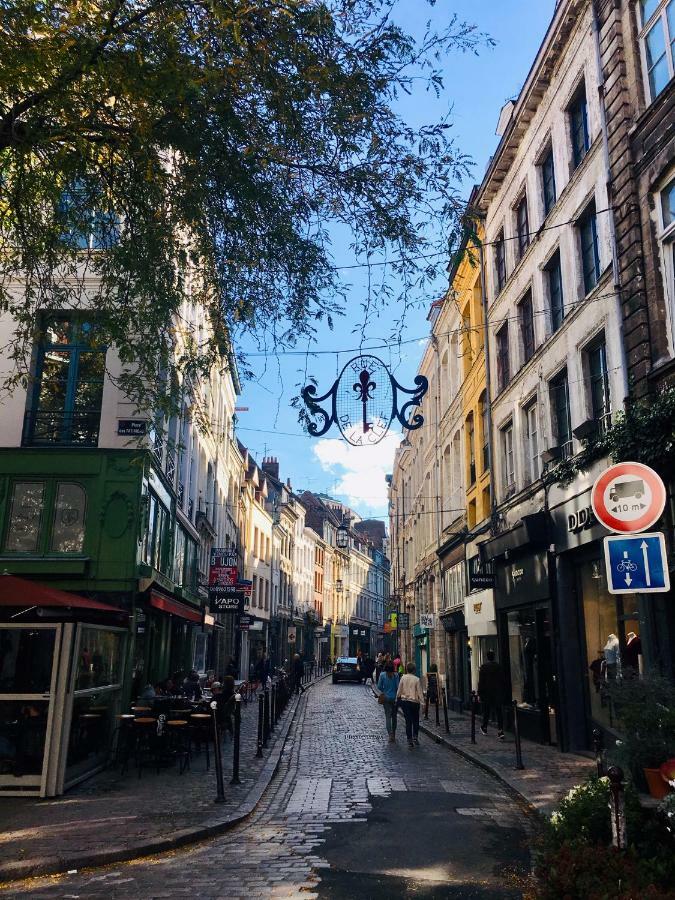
(410, 697)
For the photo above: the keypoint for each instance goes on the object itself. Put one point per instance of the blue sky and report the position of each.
(476, 87)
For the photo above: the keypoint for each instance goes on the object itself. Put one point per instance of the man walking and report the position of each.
(491, 692)
(298, 673)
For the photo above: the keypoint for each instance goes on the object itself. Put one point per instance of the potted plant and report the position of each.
(645, 709)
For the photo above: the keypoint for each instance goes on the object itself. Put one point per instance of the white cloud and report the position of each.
(359, 471)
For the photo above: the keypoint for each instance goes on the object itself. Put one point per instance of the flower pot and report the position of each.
(658, 788)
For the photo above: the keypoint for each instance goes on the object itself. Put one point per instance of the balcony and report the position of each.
(171, 467)
(181, 494)
(77, 428)
(158, 448)
(567, 450)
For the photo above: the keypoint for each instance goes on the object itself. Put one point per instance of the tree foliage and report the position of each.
(205, 149)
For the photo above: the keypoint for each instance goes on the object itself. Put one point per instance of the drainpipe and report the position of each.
(608, 183)
(488, 388)
(439, 521)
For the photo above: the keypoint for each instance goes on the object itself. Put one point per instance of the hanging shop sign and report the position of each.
(291, 635)
(363, 402)
(404, 621)
(224, 593)
(628, 497)
(426, 620)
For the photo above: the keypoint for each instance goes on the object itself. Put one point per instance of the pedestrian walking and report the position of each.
(387, 684)
(491, 693)
(410, 696)
(379, 666)
(298, 673)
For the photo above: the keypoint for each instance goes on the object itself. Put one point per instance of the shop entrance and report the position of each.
(529, 657)
(29, 691)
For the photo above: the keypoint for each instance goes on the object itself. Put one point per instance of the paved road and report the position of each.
(347, 816)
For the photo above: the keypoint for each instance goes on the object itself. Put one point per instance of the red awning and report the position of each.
(22, 592)
(174, 608)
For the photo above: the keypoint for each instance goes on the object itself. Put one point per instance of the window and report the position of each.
(599, 384)
(485, 430)
(470, 430)
(503, 367)
(522, 227)
(254, 591)
(531, 442)
(548, 182)
(66, 405)
(588, 239)
(158, 536)
(578, 116)
(560, 413)
(658, 42)
(46, 517)
(500, 261)
(555, 292)
(526, 318)
(667, 238)
(508, 471)
(86, 224)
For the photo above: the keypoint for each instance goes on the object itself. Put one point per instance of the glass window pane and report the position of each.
(655, 44)
(54, 382)
(69, 515)
(668, 204)
(659, 76)
(25, 517)
(648, 9)
(523, 661)
(26, 656)
(100, 659)
(58, 330)
(23, 732)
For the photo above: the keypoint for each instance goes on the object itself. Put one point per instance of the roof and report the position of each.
(22, 592)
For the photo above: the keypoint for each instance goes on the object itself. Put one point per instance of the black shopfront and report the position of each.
(524, 607)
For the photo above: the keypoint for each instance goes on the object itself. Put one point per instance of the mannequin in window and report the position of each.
(632, 652)
(612, 658)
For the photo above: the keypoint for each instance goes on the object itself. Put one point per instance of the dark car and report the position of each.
(346, 668)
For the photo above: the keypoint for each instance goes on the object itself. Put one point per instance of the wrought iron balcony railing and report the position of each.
(42, 428)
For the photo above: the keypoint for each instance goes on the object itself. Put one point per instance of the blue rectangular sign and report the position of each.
(636, 564)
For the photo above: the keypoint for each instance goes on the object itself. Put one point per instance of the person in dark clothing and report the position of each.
(192, 687)
(231, 667)
(263, 670)
(491, 693)
(298, 674)
(223, 694)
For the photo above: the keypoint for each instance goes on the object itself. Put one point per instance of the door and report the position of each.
(29, 659)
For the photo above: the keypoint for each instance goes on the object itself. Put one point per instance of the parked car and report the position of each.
(346, 668)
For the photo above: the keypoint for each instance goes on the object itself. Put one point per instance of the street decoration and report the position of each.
(628, 497)
(363, 402)
(636, 563)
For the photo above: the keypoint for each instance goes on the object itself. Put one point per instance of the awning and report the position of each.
(174, 608)
(23, 592)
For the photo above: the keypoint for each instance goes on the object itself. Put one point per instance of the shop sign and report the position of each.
(523, 581)
(426, 620)
(291, 635)
(225, 593)
(636, 564)
(628, 497)
(404, 621)
(393, 621)
(245, 622)
(481, 575)
(132, 427)
(341, 631)
(581, 519)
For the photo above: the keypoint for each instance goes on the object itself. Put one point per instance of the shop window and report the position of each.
(657, 40)
(523, 657)
(46, 517)
(100, 659)
(613, 645)
(65, 408)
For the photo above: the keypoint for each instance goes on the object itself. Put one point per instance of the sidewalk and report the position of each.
(547, 776)
(111, 817)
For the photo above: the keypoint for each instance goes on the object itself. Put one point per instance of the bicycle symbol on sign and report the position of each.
(626, 565)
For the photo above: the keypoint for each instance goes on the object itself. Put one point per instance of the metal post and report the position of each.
(616, 807)
(474, 702)
(236, 740)
(217, 751)
(273, 706)
(261, 714)
(426, 705)
(266, 716)
(438, 719)
(597, 749)
(445, 711)
(516, 734)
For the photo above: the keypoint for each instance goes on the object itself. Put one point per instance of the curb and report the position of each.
(485, 766)
(54, 865)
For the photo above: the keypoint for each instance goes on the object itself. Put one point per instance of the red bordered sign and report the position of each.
(628, 497)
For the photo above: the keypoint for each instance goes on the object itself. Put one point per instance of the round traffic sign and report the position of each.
(628, 497)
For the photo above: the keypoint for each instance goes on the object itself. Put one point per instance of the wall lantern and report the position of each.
(342, 537)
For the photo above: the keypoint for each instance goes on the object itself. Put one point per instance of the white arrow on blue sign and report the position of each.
(636, 564)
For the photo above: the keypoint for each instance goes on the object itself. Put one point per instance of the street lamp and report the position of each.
(342, 537)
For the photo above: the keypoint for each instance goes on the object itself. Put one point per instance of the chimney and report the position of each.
(270, 464)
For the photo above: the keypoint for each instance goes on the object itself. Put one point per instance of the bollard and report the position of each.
(445, 711)
(236, 740)
(426, 705)
(617, 808)
(261, 714)
(597, 749)
(516, 734)
(218, 753)
(273, 706)
(266, 716)
(438, 718)
(474, 702)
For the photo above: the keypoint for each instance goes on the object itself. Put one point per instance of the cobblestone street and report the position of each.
(347, 815)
